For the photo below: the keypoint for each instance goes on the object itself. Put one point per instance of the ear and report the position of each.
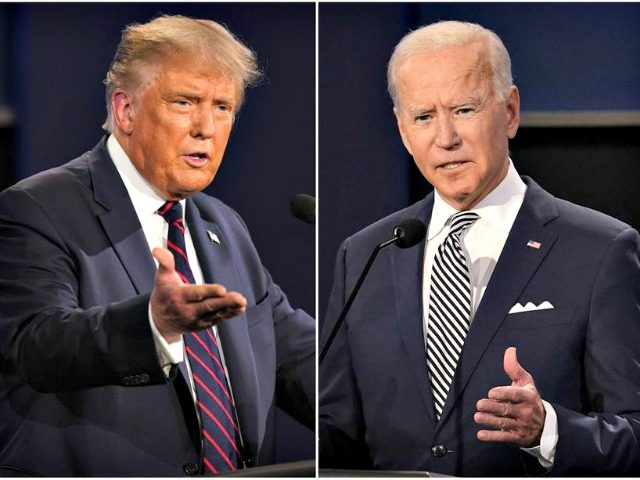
(122, 108)
(512, 104)
(401, 128)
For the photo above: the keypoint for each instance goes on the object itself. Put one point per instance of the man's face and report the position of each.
(452, 123)
(175, 127)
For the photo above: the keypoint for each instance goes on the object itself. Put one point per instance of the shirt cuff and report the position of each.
(546, 451)
(168, 353)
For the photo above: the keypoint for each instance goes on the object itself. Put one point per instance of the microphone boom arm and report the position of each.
(354, 292)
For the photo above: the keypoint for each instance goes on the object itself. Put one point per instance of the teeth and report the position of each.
(450, 166)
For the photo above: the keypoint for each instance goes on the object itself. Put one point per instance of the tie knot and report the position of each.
(461, 221)
(171, 211)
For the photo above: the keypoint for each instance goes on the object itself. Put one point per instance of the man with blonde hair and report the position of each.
(141, 335)
(511, 335)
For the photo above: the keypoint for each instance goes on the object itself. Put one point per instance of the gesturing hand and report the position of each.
(515, 412)
(178, 308)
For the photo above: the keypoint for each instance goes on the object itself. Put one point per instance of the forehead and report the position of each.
(445, 71)
(189, 74)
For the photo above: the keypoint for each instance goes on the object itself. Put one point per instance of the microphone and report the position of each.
(303, 207)
(407, 233)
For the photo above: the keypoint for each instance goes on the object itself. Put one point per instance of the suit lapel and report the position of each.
(120, 221)
(407, 267)
(515, 268)
(218, 267)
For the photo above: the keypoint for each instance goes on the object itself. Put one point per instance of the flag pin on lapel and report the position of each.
(534, 244)
(213, 237)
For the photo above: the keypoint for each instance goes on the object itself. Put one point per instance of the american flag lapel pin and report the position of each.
(213, 237)
(534, 244)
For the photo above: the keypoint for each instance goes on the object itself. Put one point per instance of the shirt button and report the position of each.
(190, 469)
(439, 450)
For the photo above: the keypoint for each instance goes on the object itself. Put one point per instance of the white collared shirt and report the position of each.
(146, 203)
(482, 244)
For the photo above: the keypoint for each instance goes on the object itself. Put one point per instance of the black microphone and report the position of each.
(408, 233)
(303, 207)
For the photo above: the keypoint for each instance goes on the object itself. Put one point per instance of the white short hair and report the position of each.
(452, 33)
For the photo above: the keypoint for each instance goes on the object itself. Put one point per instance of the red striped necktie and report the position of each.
(218, 421)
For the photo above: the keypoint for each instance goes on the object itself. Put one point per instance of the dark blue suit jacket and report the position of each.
(81, 390)
(376, 409)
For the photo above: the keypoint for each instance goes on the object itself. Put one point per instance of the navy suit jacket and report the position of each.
(81, 389)
(376, 408)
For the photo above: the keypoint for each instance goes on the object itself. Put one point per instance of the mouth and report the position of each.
(196, 159)
(451, 166)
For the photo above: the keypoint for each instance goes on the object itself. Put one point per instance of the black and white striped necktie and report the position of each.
(449, 309)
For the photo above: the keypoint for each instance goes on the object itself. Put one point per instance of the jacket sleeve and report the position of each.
(47, 338)
(606, 440)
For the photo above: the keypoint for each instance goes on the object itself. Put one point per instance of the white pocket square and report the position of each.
(530, 307)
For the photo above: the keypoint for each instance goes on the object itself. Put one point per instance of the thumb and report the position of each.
(166, 263)
(518, 375)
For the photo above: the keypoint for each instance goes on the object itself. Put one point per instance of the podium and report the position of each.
(307, 468)
(336, 473)
(304, 468)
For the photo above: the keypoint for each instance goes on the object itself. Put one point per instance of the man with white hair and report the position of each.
(506, 344)
(111, 364)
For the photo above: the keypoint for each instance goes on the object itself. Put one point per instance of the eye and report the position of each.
(423, 118)
(182, 103)
(465, 111)
(223, 110)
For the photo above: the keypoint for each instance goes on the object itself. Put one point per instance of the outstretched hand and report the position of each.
(178, 308)
(515, 413)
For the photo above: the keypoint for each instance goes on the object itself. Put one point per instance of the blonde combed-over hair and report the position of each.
(170, 36)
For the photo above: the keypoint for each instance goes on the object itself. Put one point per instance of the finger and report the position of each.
(228, 313)
(239, 299)
(515, 371)
(165, 260)
(231, 302)
(504, 409)
(512, 394)
(210, 319)
(499, 423)
(199, 293)
(494, 407)
(498, 436)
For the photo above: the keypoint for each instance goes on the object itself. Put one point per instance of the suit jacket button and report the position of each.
(439, 450)
(190, 469)
(144, 378)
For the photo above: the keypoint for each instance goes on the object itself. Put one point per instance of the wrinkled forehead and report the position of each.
(447, 69)
(158, 66)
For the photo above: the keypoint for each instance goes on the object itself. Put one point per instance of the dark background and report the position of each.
(53, 58)
(565, 57)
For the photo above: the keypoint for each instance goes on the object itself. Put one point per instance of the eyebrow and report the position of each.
(466, 101)
(193, 95)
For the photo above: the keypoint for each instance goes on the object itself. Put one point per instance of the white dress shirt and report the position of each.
(482, 244)
(146, 203)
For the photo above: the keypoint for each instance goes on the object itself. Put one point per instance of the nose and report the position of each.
(446, 134)
(203, 123)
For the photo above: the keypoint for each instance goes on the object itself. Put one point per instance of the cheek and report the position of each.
(221, 140)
